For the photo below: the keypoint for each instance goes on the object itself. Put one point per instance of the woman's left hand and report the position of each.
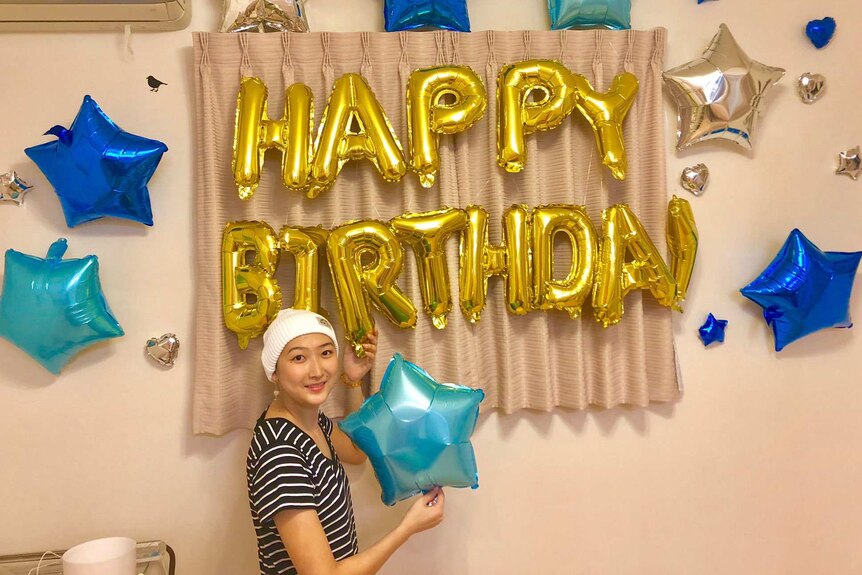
(355, 368)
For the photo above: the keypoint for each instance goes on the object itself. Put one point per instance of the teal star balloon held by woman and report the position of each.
(97, 169)
(416, 432)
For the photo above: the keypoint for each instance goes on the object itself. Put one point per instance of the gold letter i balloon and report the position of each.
(308, 246)
(251, 296)
(430, 114)
(255, 133)
(359, 282)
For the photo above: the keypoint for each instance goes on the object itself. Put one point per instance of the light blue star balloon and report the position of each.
(53, 308)
(412, 14)
(416, 432)
(97, 169)
(613, 14)
(804, 289)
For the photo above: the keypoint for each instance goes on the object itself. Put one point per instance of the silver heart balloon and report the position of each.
(164, 349)
(694, 178)
(810, 86)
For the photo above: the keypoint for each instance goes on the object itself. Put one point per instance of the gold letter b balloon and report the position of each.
(251, 296)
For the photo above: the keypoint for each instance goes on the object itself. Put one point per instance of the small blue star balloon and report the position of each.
(712, 330)
(97, 169)
(804, 289)
(416, 432)
(820, 32)
(412, 14)
(613, 14)
(53, 308)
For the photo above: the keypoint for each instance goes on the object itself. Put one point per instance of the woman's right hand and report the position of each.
(425, 513)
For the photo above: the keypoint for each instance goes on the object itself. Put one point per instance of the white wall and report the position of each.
(755, 471)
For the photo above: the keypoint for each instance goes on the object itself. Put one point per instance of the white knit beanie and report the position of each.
(288, 325)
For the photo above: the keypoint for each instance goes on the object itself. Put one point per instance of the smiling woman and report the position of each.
(298, 491)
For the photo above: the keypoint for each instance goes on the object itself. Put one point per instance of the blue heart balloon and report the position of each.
(97, 169)
(613, 14)
(820, 32)
(416, 432)
(412, 14)
(804, 289)
(53, 308)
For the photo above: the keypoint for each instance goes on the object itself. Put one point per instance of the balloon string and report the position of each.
(42, 558)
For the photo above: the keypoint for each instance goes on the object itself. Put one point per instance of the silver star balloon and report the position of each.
(263, 16)
(718, 95)
(849, 163)
(13, 188)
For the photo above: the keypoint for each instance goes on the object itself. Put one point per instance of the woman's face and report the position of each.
(306, 369)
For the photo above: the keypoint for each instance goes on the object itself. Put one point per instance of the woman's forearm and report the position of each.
(372, 559)
(355, 397)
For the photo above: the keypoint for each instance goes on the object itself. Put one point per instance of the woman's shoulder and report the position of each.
(270, 432)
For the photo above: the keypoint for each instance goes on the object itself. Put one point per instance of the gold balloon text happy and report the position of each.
(532, 96)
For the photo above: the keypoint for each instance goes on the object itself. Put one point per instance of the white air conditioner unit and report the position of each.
(64, 15)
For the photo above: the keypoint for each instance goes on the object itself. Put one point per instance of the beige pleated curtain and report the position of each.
(538, 361)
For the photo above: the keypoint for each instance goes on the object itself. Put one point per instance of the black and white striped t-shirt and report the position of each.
(286, 470)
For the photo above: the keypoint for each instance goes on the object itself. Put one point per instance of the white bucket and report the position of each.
(109, 556)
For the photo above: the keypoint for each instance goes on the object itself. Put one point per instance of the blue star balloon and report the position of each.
(712, 330)
(804, 289)
(416, 432)
(97, 169)
(53, 308)
(613, 14)
(412, 14)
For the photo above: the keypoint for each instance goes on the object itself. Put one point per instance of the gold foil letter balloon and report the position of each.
(365, 259)
(570, 293)
(353, 127)
(623, 236)
(440, 100)
(479, 260)
(682, 241)
(250, 295)
(427, 233)
(255, 133)
(605, 113)
(520, 112)
(307, 246)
